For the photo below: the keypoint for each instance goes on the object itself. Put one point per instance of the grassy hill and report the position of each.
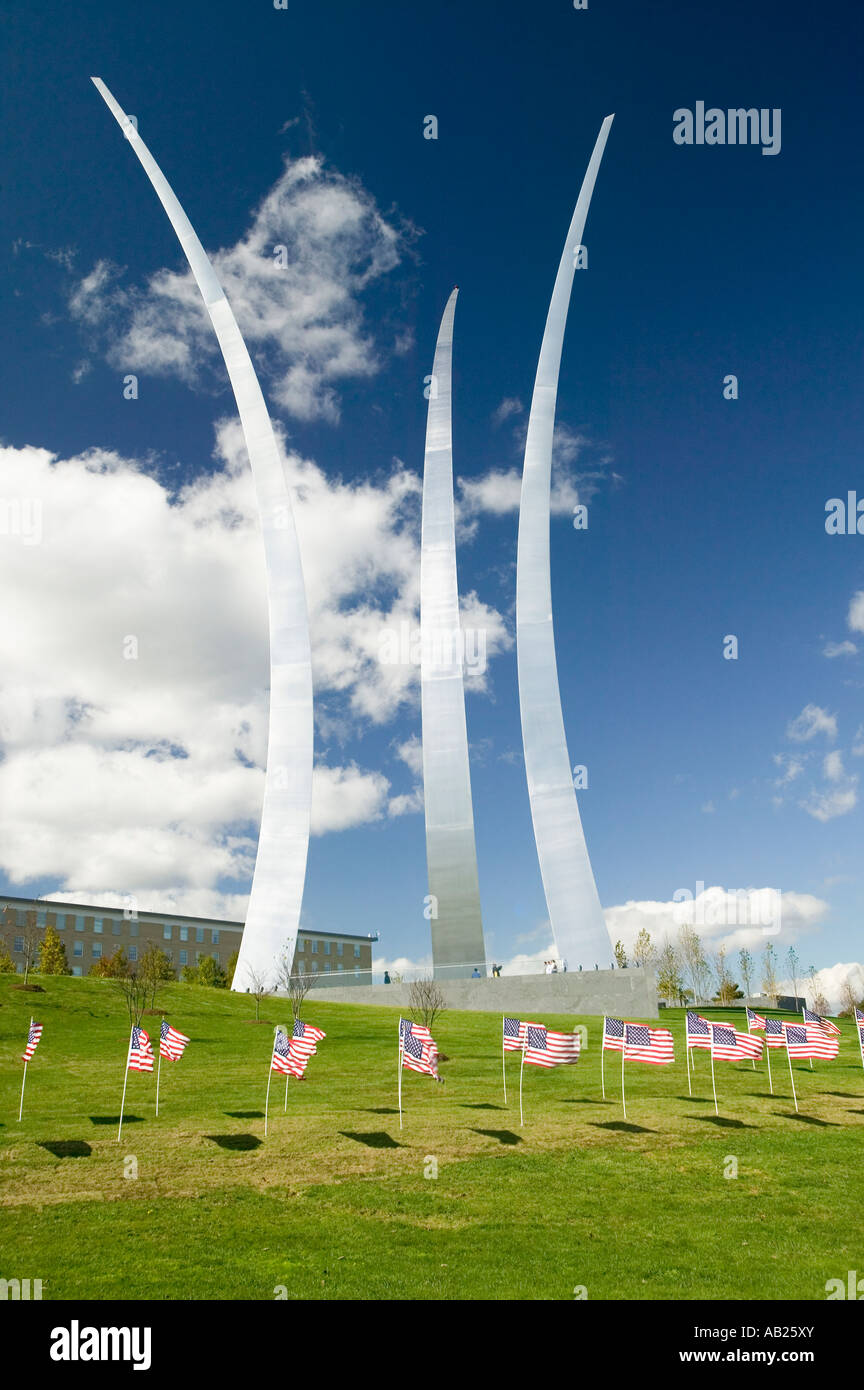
(338, 1203)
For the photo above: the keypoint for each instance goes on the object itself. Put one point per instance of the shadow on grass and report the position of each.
(115, 1119)
(844, 1095)
(244, 1114)
(484, 1105)
(66, 1148)
(724, 1122)
(696, 1100)
(586, 1100)
(806, 1119)
(622, 1126)
(381, 1110)
(504, 1136)
(376, 1140)
(238, 1143)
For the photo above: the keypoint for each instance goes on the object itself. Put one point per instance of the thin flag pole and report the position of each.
(267, 1100)
(623, 1050)
(602, 1059)
(521, 1073)
(768, 1055)
(503, 1060)
(399, 1068)
(713, 1082)
(749, 1031)
(688, 1049)
(24, 1077)
(125, 1079)
(158, 1070)
(791, 1077)
(860, 1030)
(804, 1021)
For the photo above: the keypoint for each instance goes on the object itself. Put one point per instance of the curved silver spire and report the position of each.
(273, 916)
(571, 893)
(451, 857)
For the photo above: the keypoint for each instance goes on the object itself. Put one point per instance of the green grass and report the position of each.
(336, 1203)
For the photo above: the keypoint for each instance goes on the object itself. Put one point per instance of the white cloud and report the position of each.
(831, 981)
(811, 721)
(828, 805)
(411, 754)
(303, 320)
(855, 617)
(832, 649)
(708, 808)
(511, 405)
(720, 916)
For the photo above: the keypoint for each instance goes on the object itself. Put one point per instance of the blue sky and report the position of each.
(706, 516)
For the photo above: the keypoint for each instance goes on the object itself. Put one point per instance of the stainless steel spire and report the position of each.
(273, 916)
(571, 893)
(457, 927)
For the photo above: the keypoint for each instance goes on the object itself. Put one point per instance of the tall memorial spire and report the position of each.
(451, 857)
(273, 916)
(568, 881)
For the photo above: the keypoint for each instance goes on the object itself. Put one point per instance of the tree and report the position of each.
(620, 955)
(296, 986)
(745, 965)
(211, 974)
(644, 953)
(769, 972)
(134, 991)
(111, 967)
(727, 989)
(232, 966)
(426, 1001)
(818, 1002)
(670, 981)
(794, 968)
(7, 964)
(154, 969)
(258, 983)
(52, 954)
(30, 937)
(695, 965)
(848, 999)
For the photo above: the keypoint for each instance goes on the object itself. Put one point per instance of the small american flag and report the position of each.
(33, 1037)
(810, 1017)
(643, 1044)
(140, 1051)
(171, 1043)
(613, 1034)
(810, 1040)
(698, 1031)
(303, 1045)
(775, 1034)
(756, 1021)
(543, 1048)
(280, 1060)
(418, 1047)
(730, 1045)
(514, 1035)
(859, 1019)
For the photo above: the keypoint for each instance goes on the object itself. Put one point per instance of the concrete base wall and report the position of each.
(622, 993)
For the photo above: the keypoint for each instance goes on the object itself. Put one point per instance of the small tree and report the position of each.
(426, 1001)
(154, 969)
(232, 966)
(848, 999)
(670, 982)
(693, 958)
(134, 991)
(111, 967)
(7, 964)
(296, 986)
(620, 955)
(644, 953)
(211, 974)
(727, 989)
(258, 984)
(794, 962)
(52, 954)
(769, 972)
(745, 965)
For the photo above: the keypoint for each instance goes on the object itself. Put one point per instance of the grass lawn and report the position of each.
(338, 1203)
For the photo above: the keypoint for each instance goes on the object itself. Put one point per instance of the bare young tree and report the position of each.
(848, 999)
(769, 972)
(426, 1001)
(294, 984)
(644, 951)
(134, 990)
(745, 965)
(727, 989)
(670, 982)
(794, 961)
(258, 983)
(695, 965)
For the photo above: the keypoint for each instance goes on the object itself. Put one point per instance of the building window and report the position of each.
(19, 943)
(214, 937)
(313, 947)
(301, 968)
(326, 965)
(41, 916)
(97, 924)
(116, 927)
(166, 932)
(199, 933)
(356, 952)
(169, 956)
(79, 922)
(184, 933)
(340, 948)
(184, 957)
(60, 922)
(96, 950)
(326, 948)
(133, 953)
(76, 969)
(20, 917)
(133, 928)
(339, 965)
(78, 950)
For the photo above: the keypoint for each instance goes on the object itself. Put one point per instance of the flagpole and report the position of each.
(267, 1100)
(688, 1049)
(125, 1079)
(503, 1061)
(749, 1034)
(399, 1067)
(791, 1077)
(286, 1094)
(804, 1021)
(521, 1072)
(860, 1030)
(603, 1058)
(623, 1050)
(713, 1082)
(158, 1071)
(24, 1077)
(768, 1056)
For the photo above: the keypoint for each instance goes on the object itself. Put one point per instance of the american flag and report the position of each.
(775, 1035)
(756, 1021)
(543, 1048)
(810, 1017)
(810, 1040)
(859, 1019)
(730, 1045)
(281, 1060)
(613, 1034)
(303, 1045)
(140, 1051)
(698, 1031)
(418, 1047)
(643, 1044)
(33, 1037)
(171, 1043)
(514, 1034)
